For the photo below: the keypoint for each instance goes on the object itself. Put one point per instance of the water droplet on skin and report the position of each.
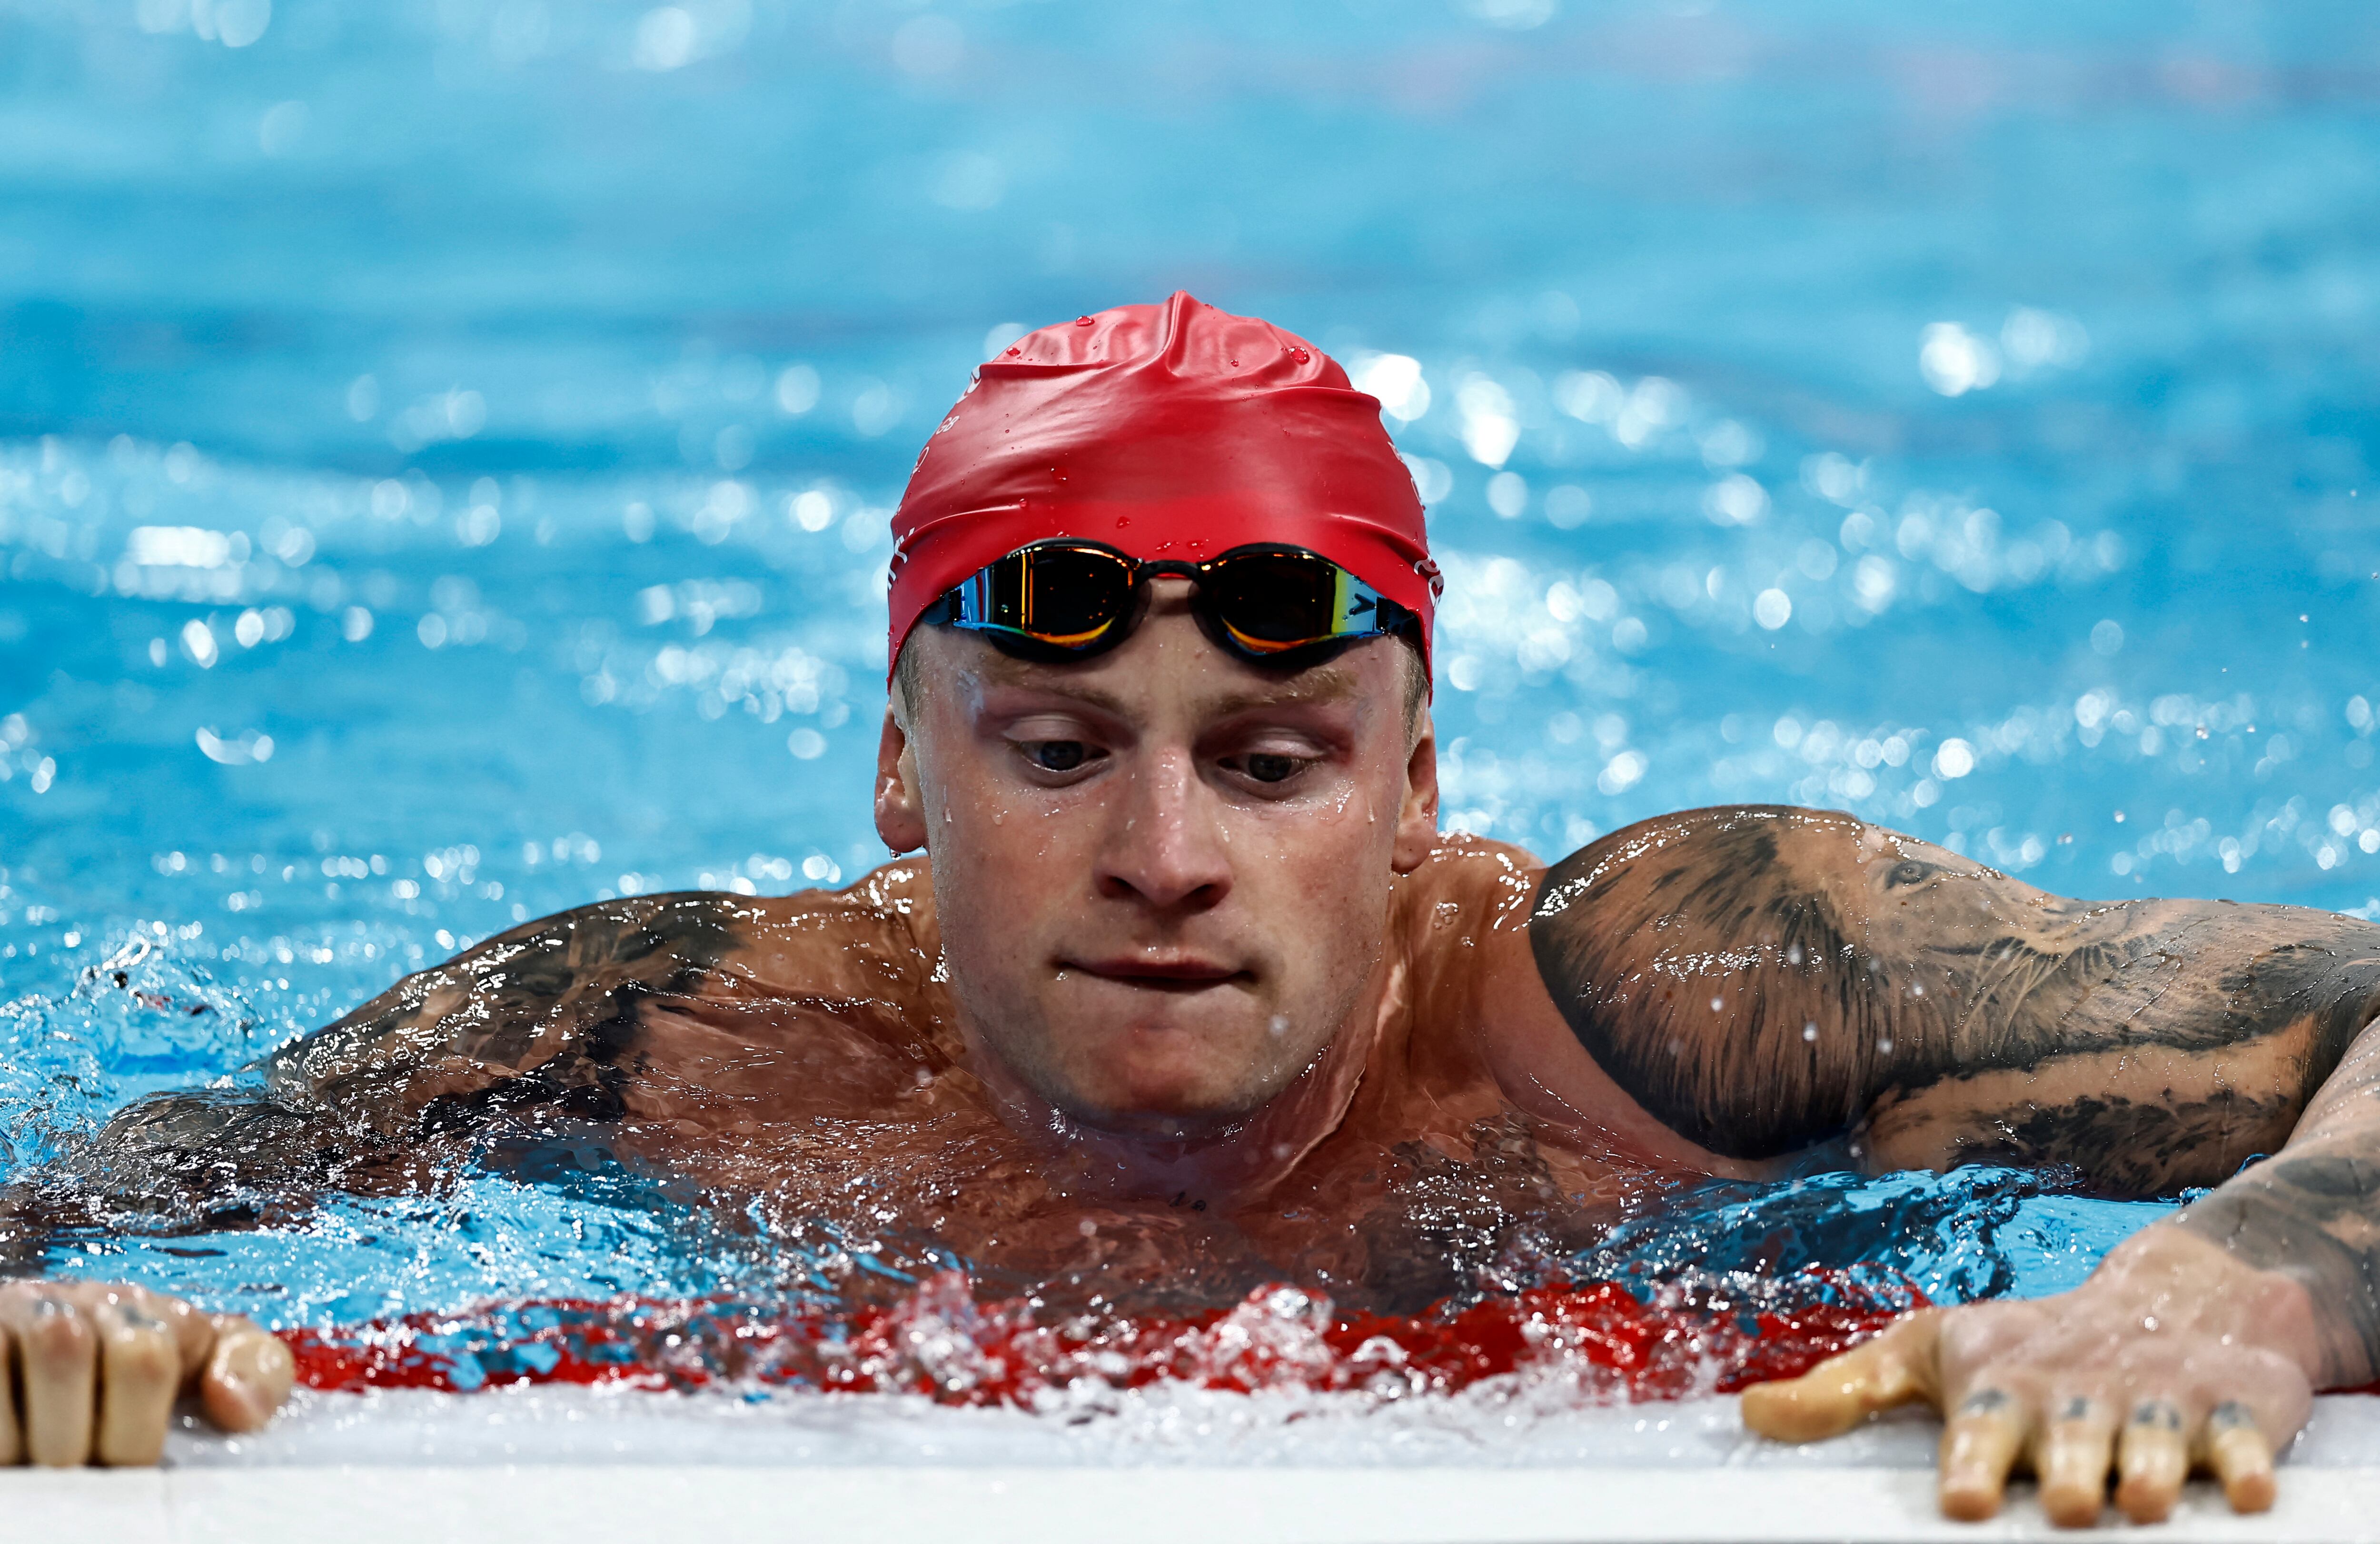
(1810, 1030)
(1883, 1047)
(1090, 1228)
(1716, 1005)
(1280, 1025)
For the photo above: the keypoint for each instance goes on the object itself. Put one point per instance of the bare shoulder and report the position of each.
(686, 1007)
(562, 1001)
(875, 935)
(1767, 979)
(1456, 924)
(1480, 1008)
(1467, 885)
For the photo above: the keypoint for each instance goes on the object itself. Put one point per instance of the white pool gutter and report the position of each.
(581, 1467)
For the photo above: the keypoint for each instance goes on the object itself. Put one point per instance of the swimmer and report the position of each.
(1181, 937)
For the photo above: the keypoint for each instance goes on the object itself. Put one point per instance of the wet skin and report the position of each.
(1186, 946)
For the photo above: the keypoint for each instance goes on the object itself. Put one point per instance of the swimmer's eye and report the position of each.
(1272, 768)
(1909, 871)
(1057, 756)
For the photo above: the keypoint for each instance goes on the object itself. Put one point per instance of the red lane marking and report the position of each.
(940, 1340)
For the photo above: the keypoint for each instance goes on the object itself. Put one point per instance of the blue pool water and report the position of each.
(444, 452)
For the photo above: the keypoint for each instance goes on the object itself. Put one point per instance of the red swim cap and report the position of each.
(1174, 431)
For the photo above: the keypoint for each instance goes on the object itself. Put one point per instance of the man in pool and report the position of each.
(1186, 942)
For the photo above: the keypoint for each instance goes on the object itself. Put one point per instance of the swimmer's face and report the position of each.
(1161, 875)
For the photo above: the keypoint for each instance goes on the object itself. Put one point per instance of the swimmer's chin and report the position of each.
(1160, 1108)
(1139, 1123)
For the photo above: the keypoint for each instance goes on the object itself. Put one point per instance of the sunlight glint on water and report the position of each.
(445, 457)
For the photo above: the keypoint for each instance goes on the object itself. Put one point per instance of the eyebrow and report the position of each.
(1323, 683)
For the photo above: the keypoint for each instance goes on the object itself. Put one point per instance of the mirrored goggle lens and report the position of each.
(1269, 602)
(1063, 597)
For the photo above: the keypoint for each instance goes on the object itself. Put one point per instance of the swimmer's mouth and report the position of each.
(1153, 975)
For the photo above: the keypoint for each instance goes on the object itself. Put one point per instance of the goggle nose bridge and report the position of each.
(1170, 569)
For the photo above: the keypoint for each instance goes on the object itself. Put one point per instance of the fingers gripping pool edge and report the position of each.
(90, 1372)
(140, 1371)
(1982, 1440)
(2234, 1445)
(2152, 1460)
(2073, 1450)
(247, 1376)
(56, 1357)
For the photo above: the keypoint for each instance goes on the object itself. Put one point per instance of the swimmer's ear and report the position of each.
(900, 805)
(1417, 818)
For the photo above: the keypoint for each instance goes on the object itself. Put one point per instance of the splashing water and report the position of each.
(1596, 1343)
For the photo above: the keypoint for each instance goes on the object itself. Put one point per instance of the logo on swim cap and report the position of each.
(1172, 431)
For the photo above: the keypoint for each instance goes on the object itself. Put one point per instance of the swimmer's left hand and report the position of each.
(97, 1368)
(2174, 1355)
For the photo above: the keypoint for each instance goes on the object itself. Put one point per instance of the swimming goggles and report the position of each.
(1063, 599)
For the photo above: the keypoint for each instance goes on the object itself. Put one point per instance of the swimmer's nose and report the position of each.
(1164, 848)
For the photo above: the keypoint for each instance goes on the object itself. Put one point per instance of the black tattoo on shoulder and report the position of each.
(541, 1021)
(1766, 979)
(549, 1011)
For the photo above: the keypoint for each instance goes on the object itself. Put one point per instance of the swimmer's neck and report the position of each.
(1232, 1167)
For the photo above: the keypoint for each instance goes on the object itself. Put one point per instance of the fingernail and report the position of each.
(1968, 1498)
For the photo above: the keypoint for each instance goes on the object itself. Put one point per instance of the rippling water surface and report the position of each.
(445, 453)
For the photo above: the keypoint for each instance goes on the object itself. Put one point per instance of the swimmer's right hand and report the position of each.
(97, 1368)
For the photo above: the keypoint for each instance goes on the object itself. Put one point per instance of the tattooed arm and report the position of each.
(648, 1025)
(540, 1024)
(1766, 980)
(545, 1016)
(542, 1018)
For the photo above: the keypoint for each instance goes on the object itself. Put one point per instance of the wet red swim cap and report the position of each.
(1175, 432)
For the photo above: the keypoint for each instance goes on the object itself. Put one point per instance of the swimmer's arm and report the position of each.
(2313, 1213)
(538, 1023)
(1947, 1014)
(544, 1015)
(540, 1018)
(1767, 980)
